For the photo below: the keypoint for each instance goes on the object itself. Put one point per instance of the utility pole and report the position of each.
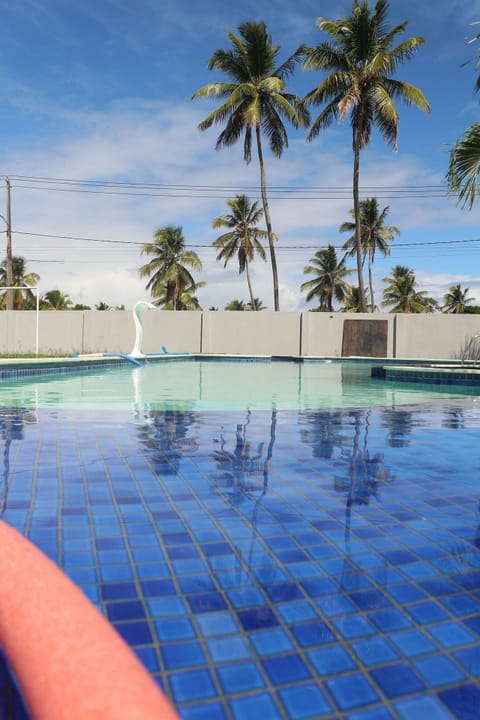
(9, 267)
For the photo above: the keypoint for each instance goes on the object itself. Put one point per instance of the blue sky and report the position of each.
(100, 91)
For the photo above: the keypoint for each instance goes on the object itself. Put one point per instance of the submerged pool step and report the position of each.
(433, 374)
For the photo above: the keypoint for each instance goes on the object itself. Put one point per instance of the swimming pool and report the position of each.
(274, 540)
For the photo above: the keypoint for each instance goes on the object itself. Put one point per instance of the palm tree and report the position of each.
(375, 236)
(351, 301)
(243, 237)
(456, 300)
(102, 306)
(401, 294)
(328, 282)
(361, 57)
(23, 298)
(186, 299)
(167, 270)
(254, 100)
(256, 304)
(55, 300)
(235, 305)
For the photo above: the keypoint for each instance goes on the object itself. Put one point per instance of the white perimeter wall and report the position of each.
(242, 333)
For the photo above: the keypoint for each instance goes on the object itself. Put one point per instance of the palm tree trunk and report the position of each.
(356, 211)
(266, 210)
(370, 277)
(249, 283)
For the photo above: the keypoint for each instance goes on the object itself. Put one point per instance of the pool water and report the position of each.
(267, 559)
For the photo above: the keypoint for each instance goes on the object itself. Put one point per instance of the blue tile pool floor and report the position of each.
(290, 564)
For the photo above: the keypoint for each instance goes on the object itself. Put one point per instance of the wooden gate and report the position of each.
(365, 338)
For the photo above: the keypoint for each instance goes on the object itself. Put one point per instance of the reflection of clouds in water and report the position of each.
(12, 426)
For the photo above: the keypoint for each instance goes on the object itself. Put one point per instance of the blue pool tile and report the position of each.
(240, 677)
(225, 649)
(286, 668)
(461, 605)
(257, 618)
(399, 557)
(438, 670)
(182, 655)
(254, 706)
(156, 588)
(439, 586)
(420, 708)
(148, 657)
(333, 605)
(135, 633)
(319, 586)
(469, 658)
(463, 701)
(244, 597)
(473, 624)
(377, 713)
(204, 711)
(305, 702)
(390, 619)
(206, 602)
(406, 592)
(396, 680)
(118, 591)
(374, 651)
(216, 623)
(370, 600)
(353, 626)
(470, 580)
(313, 633)
(271, 642)
(166, 606)
(296, 611)
(281, 592)
(179, 628)
(352, 691)
(412, 643)
(427, 612)
(330, 660)
(125, 610)
(451, 635)
(192, 685)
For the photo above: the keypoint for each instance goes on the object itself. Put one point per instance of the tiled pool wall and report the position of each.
(283, 565)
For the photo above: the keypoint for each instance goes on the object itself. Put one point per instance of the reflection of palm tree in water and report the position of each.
(165, 435)
(365, 474)
(12, 422)
(239, 468)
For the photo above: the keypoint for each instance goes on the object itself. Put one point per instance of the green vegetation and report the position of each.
(329, 281)
(255, 101)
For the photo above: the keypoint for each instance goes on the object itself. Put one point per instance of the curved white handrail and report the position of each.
(137, 347)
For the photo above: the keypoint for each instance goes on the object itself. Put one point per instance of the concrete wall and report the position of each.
(242, 333)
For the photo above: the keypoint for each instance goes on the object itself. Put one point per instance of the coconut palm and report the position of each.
(360, 60)
(23, 298)
(329, 281)
(401, 294)
(456, 300)
(235, 305)
(55, 300)
(243, 237)
(186, 299)
(256, 304)
(167, 270)
(375, 236)
(351, 301)
(254, 101)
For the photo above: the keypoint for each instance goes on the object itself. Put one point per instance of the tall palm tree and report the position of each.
(329, 282)
(56, 300)
(256, 304)
(374, 234)
(254, 101)
(401, 294)
(361, 58)
(235, 305)
(456, 300)
(186, 299)
(168, 266)
(243, 238)
(23, 298)
(351, 301)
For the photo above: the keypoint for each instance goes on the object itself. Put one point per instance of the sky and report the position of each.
(99, 92)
